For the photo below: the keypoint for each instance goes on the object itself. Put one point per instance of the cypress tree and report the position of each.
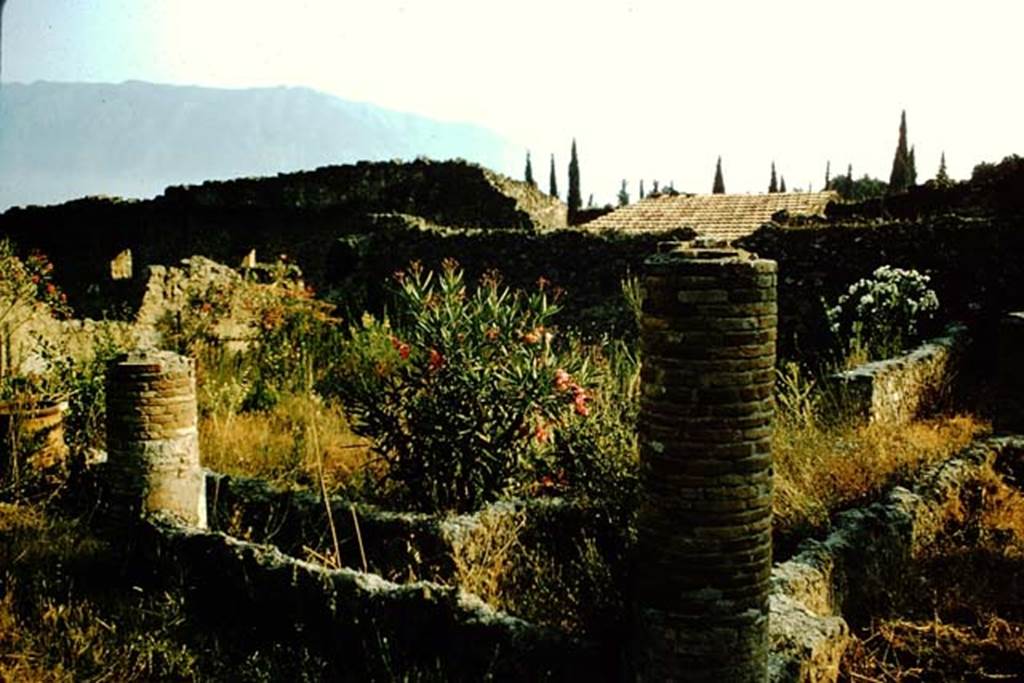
(911, 168)
(899, 178)
(773, 185)
(655, 191)
(942, 177)
(782, 184)
(719, 185)
(828, 174)
(528, 175)
(623, 195)
(574, 199)
(552, 181)
(641, 188)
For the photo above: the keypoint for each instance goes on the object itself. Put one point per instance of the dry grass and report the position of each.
(278, 445)
(962, 615)
(62, 617)
(516, 564)
(820, 470)
(72, 608)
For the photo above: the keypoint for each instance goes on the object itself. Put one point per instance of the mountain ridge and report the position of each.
(63, 140)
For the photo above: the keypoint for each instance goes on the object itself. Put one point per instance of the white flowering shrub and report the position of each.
(883, 314)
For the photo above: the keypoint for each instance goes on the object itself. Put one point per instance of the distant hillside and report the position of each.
(60, 141)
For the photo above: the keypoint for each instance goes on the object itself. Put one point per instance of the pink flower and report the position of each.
(534, 335)
(579, 401)
(562, 379)
(542, 434)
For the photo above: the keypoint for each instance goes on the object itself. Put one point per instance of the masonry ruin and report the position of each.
(703, 564)
(153, 440)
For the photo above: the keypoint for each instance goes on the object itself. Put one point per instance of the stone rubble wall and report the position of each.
(860, 563)
(396, 544)
(343, 611)
(897, 390)
(811, 594)
(973, 261)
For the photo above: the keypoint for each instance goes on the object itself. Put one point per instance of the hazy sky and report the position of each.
(650, 89)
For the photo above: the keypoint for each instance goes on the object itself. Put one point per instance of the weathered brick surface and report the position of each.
(152, 440)
(704, 557)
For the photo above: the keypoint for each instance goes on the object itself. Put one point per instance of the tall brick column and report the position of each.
(152, 440)
(704, 558)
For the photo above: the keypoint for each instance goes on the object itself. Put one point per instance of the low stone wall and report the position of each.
(350, 615)
(396, 544)
(898, 389)
(861, 563)
(846, 575)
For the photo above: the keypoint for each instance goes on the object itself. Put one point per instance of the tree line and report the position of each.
(902, 177)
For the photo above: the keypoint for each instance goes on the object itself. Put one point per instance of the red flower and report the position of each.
(436, 360)
(491, 334)
(400, 346)
(50, 288)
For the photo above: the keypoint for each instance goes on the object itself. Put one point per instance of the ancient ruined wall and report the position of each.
(454, 193)
(897, 390)
(298, 214)
(588, 267)
(152, 440)
(975, 264)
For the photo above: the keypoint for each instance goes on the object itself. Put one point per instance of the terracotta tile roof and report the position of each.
(727, 216)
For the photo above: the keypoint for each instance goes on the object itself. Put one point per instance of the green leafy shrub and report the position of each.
(463, 389)
(261, 337)
(883, 314)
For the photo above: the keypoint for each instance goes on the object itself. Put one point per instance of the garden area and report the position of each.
(459, 400)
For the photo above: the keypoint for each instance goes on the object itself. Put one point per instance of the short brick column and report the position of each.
(152, 440)
(704, 558)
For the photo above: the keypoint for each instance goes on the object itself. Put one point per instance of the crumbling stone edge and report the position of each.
(259, 586)
(859, 561)
(896, 390)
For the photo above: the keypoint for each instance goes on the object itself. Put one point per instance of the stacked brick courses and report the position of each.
(708, 334)
(152, 439)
